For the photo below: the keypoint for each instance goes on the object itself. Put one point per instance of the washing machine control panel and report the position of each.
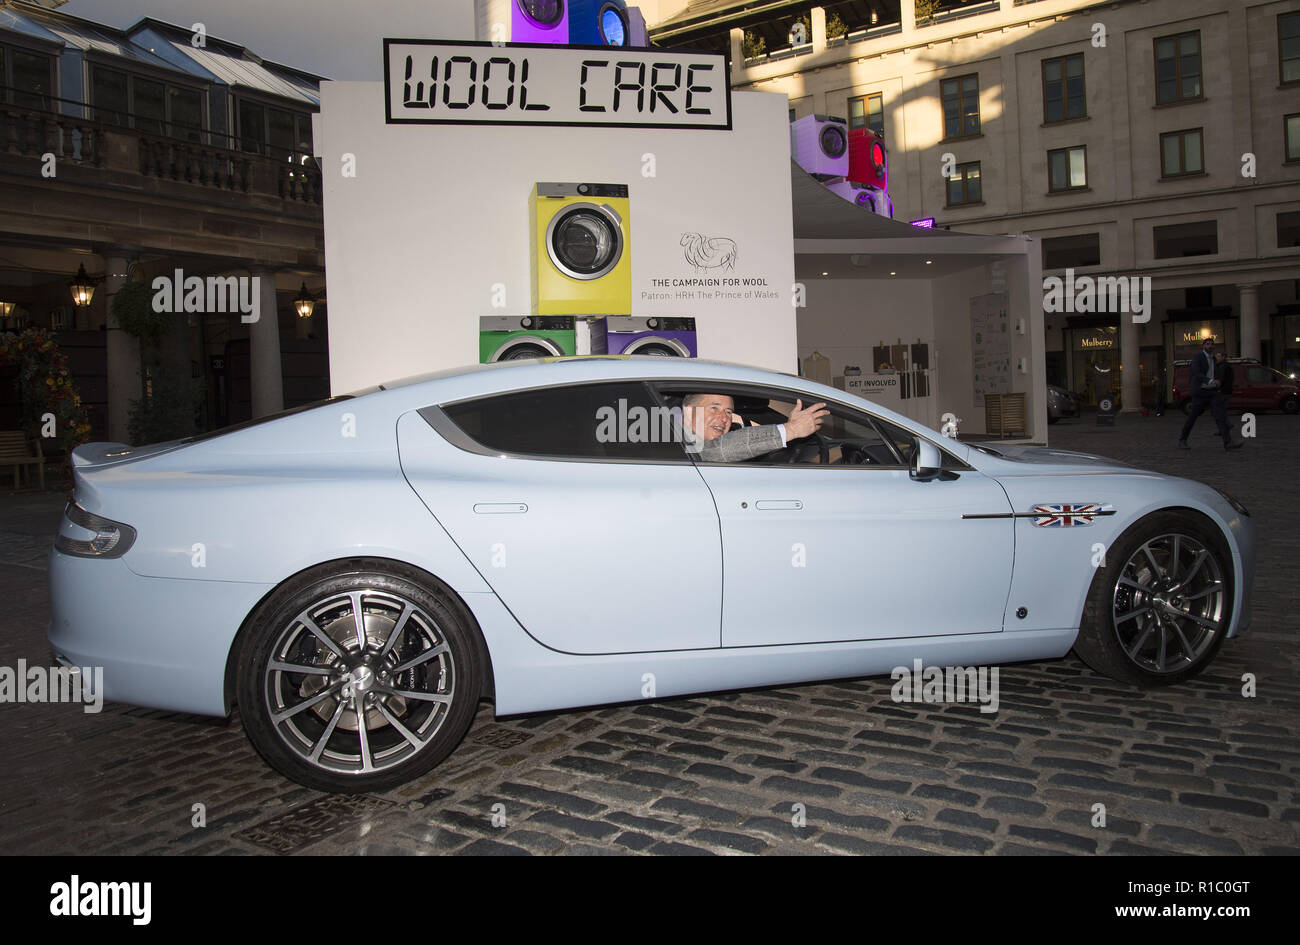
(581, 190)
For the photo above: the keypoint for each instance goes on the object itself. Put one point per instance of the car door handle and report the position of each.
(778, 504)
(500, 508)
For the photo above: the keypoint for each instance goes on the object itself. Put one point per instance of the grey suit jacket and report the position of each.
(742, 444)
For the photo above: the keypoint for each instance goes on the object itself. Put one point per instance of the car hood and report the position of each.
(1012, 460)
(107, 454)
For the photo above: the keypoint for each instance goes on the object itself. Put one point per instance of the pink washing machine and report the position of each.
(667, 336)
(820, 145)
(539, 21)
(864, 195)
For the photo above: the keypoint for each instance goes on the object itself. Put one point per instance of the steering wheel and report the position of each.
(802, 451)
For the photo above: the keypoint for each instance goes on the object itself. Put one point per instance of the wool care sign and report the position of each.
(453, 82)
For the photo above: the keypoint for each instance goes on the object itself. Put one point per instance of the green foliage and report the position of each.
(134, 310)
(835, 26)
(754, 45)
(169, 408)
(45, 387)
(926, 11)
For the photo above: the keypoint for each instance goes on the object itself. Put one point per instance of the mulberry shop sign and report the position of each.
(456, 82)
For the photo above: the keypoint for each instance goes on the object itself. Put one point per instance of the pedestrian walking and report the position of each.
(1206, 384)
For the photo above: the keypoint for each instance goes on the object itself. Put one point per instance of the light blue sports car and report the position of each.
(358, 574)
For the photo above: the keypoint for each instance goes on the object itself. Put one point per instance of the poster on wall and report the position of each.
(920, 370)
(990, 345)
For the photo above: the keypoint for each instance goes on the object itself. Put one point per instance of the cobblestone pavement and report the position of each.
(832, 768)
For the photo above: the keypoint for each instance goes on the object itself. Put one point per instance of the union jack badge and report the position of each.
(1066, 515)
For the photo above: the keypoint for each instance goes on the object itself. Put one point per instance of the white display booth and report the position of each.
(427, 225)
(930, 319)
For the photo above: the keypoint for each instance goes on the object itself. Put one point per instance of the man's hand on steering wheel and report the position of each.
(804, 422)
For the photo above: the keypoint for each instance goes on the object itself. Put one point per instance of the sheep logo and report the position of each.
(709, 252)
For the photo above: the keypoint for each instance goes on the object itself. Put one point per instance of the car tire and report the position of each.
(1153, 622)
(1051, 419)
(1291, 405)
(1186, 407)
(361, 717)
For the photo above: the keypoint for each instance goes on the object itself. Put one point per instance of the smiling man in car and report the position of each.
(708, 417)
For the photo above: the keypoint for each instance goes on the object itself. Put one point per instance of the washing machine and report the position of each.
(598, 23)
(864, 195)
(868, 161)
(517, 337)
(669, 336)
(820, 145)
(581, 239)
(531, 21)
(637, 35)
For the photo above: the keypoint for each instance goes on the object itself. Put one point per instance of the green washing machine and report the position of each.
(518, 337)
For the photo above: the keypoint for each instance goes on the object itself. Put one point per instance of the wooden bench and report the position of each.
(15, 452)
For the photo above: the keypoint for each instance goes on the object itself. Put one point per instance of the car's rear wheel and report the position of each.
(1186, 406)
(1159, 608)
(1291, 405)
(357, 678)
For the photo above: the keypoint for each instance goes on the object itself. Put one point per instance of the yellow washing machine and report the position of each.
(581, 261)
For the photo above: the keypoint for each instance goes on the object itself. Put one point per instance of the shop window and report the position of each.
(149, 105)
(1288, 229)
(1182, 153)
(1186, 239)
(1291, 131)
(573, 423)
(868, 111)
(1067, 169)
(1288, 47)
(1064, 95)
(1072, 252)
(964, 185)
(961, 106)
(156, 108)
(1178, 68)
(275, 132)
(108, 93)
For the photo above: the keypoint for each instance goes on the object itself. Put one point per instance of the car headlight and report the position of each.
(87, 535)
(1233, 502)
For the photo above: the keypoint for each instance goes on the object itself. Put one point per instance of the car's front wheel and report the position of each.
(1160, 606)
(357, 678)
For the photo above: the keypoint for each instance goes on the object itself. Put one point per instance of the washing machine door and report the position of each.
(545, 13)
(834, 142)
(585, 240)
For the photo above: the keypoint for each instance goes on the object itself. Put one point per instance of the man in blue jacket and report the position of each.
(1205, 384)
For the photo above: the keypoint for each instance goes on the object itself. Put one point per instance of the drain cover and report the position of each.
(304, 825)
(498, 736)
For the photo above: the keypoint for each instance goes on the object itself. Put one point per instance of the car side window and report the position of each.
(1258, 375)
(583, 421)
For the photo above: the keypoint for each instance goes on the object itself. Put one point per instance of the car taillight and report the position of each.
(87, 535)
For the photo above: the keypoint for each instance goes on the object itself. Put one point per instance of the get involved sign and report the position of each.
(451, 82)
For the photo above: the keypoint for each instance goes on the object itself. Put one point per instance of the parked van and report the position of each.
(1254, 387)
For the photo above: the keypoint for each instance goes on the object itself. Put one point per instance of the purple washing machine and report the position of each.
(667, 336)
(864, 195)
(820, 145)
(539, 21)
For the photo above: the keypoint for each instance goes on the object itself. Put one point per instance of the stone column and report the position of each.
(818, 22)
(1130, 370)
(737, 37)
(1249, 320)
(264, 342)
(123, 353)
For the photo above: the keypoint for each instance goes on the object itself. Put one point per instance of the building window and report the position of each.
(1063, 89)
(27, 78)
(1288, 229)
(1181, 153)
(964, 185)
(131, 101)
(961, 106)
(283, 135)
(1067, 169)
(1072, 252)
(1178, 68)
(1288, 46)
(868, 111)
(1186, 239)
(1291, 129)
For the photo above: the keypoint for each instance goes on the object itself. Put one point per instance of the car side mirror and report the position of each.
(927, 461)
